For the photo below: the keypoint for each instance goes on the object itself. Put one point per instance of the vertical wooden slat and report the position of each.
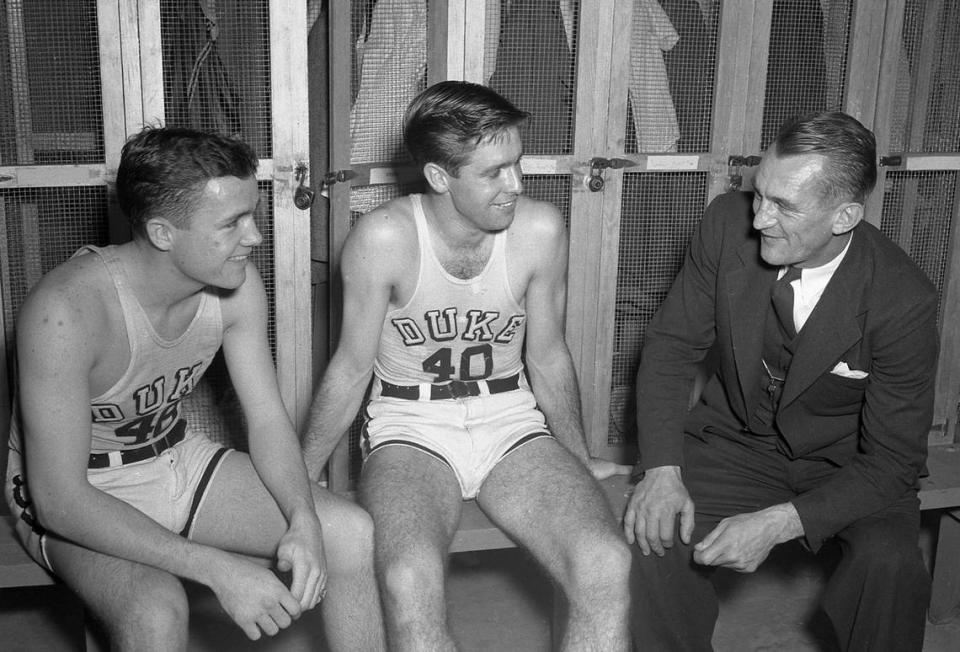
(338, 467)
(594, 43)
(438, 38)
(151, 62)
(111, 69)
(948, 379)
(731, 91)
(865, 62)
(757, 81)
(130, 71)
(288, 97)
(474, 36)
(892, 42)
(455, 46)
(22, 119)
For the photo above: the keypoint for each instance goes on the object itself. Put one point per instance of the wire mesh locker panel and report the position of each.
(927, 87)
(807, 61)
(39, 229)
(216, 67)
(531, 56)
(50, 111)
(659, 215)
(673, 59)
(918, 213)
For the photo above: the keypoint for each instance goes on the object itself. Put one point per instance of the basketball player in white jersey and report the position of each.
(115, 492)
(454, 305)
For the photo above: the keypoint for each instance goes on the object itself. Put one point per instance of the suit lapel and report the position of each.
(748, 297)
(832, 327)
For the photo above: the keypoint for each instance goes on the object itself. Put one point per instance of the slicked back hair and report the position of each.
(163, 170)
(446, 122)
(850, 150)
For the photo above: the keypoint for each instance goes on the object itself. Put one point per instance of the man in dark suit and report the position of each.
(814, 424)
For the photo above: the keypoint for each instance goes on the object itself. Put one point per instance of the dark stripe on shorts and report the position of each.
(400, 442)
(520, 442)
(202, 489)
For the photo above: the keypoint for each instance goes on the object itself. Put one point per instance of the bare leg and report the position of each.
(415, 502)
(240, 515)
(548, 501)
(140, 607)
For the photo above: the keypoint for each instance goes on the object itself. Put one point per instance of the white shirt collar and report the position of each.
(809, 287)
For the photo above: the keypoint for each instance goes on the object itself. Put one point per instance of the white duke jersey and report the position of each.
(452, 328)
(144, 404)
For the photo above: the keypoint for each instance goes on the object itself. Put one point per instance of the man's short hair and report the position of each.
(163, 170)
(850, 149)
(447, 121)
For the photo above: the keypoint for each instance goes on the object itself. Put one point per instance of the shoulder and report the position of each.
(731, 214)
(247, 301)
(895, 275)
(537, 222)
(74, 302)
(383, 239)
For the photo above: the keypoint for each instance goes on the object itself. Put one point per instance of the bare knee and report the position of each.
(601, 563)
(152, 616)
(411, 577)
(347, 532)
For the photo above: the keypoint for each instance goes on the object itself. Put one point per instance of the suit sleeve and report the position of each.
(896, 416)
(678, 338)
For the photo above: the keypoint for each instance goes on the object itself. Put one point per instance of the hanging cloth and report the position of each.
(392, 57)
(201, 93)
(654, 116)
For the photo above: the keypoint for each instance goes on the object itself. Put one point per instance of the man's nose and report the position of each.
(252, 237)
(514, 180)
(763, 216)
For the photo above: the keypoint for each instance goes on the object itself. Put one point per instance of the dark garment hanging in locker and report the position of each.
(795, 66)
(535, 71)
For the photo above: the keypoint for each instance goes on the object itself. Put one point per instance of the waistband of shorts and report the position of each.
(129, 456)
(449, 390)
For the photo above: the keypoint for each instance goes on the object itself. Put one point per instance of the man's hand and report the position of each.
(650, 519)
(743, 541)
(300, 551)
(602, 469)
(254, 597)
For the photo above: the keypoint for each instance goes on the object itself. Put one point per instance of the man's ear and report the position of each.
(437, 177)
(848, 215)
(160, 233)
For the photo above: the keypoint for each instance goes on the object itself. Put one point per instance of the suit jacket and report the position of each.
(877, 315)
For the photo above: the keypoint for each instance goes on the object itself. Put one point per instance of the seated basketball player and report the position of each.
(117, 494)
(442, 292)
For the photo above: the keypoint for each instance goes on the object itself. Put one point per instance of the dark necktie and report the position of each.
(782, 296)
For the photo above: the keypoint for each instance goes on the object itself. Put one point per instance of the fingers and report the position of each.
(629, 520)
(687, 521)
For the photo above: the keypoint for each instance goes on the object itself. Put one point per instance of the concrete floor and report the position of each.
(498, 601)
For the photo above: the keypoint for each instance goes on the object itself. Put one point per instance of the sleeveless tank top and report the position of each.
(143, 405)
(452, 328)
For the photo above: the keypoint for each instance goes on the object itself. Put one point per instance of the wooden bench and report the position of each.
(939, 491)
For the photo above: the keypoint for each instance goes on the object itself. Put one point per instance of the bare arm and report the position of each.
(368, 269)
(274, 446)
(548, 360)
